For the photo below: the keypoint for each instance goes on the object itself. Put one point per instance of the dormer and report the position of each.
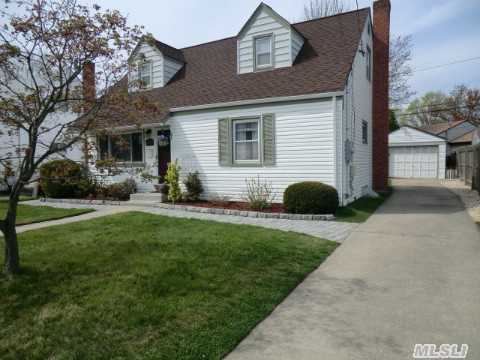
(267, 41)
(153, 64)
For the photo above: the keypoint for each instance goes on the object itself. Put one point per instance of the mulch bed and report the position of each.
(234, 205)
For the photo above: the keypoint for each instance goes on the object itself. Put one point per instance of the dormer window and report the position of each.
(145, 74)
(263, 52)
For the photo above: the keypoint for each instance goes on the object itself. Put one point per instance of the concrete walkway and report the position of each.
(410, 274)
(331, 230)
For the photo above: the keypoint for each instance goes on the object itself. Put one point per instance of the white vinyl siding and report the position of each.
(304, 140)
(297, 43)
(171, 67)
(265, 24)
(162, 68)
(357, 175)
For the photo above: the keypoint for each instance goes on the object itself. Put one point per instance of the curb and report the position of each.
(202, 210)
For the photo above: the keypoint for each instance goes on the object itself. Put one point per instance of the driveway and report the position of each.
(410, 274)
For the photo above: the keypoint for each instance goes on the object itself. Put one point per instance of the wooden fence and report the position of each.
(468, 162)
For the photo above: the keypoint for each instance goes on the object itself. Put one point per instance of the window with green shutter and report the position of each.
(247, 141)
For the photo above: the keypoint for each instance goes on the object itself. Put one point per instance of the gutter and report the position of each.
(231, 104)
(257, 101)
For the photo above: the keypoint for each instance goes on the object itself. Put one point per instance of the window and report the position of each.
(369, 64)
(124, 147)
(145, 74)
(263, 52)
(365, 132)
(245, 140)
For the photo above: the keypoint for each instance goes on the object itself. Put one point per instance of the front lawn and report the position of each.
(147, 287)
(27, 214)
(361, 209)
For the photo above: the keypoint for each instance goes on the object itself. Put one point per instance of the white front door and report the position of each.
(413, 161)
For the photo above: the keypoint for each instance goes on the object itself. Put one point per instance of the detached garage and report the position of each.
(414, 153)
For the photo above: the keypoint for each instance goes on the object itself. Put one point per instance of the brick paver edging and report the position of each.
(203, 210)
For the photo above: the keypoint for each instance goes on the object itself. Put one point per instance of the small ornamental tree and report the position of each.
(172, 178)
(46, 48)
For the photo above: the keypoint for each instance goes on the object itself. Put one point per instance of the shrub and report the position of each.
(259, 195)
(119, 191)
(194, 186)
(65, 179)
(310, 197)
(172, 178)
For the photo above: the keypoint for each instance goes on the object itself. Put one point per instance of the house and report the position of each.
(428, 151)
(14, 140)
(285, 102)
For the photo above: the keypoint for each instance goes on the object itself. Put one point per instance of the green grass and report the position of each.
(147, 287)
(361, 209)
(27, 214)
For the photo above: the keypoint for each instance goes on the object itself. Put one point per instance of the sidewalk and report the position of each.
(330, 230)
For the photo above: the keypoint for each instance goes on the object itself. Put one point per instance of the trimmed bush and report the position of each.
(194, 187)
(65, 179)
(310, 197)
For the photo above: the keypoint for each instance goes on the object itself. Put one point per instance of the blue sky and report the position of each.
(443, 30)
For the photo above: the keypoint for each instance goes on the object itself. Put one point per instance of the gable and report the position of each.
(286, 41)
(409, 135)
(209, 72)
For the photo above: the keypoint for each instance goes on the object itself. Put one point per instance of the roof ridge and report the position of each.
(208, 42)
(330, 16)
(292, 24)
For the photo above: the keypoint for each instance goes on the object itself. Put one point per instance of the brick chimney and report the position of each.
(89, 90)
(381, 41)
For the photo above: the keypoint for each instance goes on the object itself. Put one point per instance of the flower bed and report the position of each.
(234, 205)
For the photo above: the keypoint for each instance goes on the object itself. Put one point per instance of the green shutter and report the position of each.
(224, 142)
(268, 132)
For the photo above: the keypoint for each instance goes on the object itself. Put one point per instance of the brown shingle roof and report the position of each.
(440, 127)
(169, 51)
(210, 72)
(466, 138)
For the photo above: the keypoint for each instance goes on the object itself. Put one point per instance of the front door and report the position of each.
(163, 152)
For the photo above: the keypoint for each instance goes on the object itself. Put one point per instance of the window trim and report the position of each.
(109, 148)
(365, 126)
(369, 63)
(243, 120)
(139, 73)
(265, 66)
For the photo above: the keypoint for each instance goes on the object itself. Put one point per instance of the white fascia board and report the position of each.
(415, 144)
(258, 101)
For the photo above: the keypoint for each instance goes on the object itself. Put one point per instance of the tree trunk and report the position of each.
(8, 228)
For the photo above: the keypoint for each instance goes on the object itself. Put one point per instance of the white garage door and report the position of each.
(414, 161)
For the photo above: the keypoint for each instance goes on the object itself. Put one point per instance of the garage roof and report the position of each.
(408, 135)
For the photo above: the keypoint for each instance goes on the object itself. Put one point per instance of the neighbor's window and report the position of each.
(369, 63)
(364, 132)
(245, 140)
(124, 147)
(145, 74)
(263, 52)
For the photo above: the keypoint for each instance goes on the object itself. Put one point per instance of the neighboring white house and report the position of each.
(414, 153)
(285, 102)
(13, 140)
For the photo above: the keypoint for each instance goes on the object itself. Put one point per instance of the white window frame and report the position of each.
(364, 134)
(234, 140)
(150, 70)
(261, 37)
